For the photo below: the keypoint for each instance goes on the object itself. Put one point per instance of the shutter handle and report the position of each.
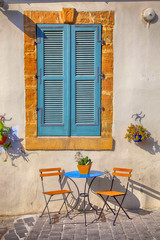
(39, 76)
(102, 108)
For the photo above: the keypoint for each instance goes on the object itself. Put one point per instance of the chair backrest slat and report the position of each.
(50, 174)
(47, 172)
(49, 169)
(121, 174)
(122, 169)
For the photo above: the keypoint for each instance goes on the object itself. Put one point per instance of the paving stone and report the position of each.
(3, 230)
(32, 238)
(21, 234)
(54, 238)
(93, 236)
(10, 237)
(33, 234)
(43, 237)
(106, 237)
(19, 220)
(55, 234)
(56, 228)
(20, 230)
(30, 219)
(67, 237)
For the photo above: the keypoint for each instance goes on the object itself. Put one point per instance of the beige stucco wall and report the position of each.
(136, 89)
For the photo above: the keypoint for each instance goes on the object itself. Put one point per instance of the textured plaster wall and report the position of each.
(136, 88)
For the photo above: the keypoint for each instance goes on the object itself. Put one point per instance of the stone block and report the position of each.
(31, 98)
(31, 82)
(68, 15)
(83, 18)
(107, 63)
(31, 130)
(29, 47)
(31, 116)
(107, 34)
(30, 63)
(50, 17)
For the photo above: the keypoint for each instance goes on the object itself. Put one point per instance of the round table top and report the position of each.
(76, 174)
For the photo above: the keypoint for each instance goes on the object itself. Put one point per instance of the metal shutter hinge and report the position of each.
(101, 41)
(102, 75)
(102, 108)
(39, 76)
(38, 41)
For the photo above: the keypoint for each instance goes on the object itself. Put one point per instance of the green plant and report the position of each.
(137, 133)
(82, 160)
(4, 132)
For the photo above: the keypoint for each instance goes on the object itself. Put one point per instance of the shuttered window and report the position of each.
(69, 84)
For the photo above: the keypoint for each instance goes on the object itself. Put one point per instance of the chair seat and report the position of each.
(111, 193)
(57, 192)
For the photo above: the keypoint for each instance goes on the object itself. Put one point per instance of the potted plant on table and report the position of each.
(137, 133)
(84, 163)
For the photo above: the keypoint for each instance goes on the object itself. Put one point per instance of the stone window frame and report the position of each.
(69, 16)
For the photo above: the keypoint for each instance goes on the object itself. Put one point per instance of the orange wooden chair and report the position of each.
(48, 172)
(117, 172)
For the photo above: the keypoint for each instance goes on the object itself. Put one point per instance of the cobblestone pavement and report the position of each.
(145, 225)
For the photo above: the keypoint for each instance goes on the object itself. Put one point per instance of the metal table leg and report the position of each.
(85, 195)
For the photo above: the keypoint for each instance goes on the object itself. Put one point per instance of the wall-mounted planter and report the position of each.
(137, 138)
(137, 133)
(3, 140)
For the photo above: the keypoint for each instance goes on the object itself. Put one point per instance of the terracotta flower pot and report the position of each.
(3, 141)
(84, 169)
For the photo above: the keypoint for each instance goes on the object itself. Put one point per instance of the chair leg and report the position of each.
(47, 202)
(61, 207)
(120, 207)
(105, 203)
(66, 204)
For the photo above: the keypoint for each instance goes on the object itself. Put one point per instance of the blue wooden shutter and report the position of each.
(85, 80)
(53, 51)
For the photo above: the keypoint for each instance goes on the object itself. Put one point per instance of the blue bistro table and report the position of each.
(85, 194)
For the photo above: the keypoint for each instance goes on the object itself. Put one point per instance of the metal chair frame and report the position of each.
(53, 172)
(115, 194)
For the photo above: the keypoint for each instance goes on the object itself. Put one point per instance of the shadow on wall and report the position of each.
(131, 202)
(17, 149)
(150, 145)
(17, 18)
(100, 184)
(12, 147)
(144, 189)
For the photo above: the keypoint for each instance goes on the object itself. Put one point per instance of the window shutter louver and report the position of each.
(53, 105)
(86, 60)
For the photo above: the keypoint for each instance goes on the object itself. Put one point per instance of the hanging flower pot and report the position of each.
(137, 138)
(137, 133)
(4, 132)
(3, 140)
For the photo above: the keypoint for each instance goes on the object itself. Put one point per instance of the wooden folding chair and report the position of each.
(117, 172)
(48, 172)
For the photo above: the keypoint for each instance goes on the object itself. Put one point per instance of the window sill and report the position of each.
(69, 143)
